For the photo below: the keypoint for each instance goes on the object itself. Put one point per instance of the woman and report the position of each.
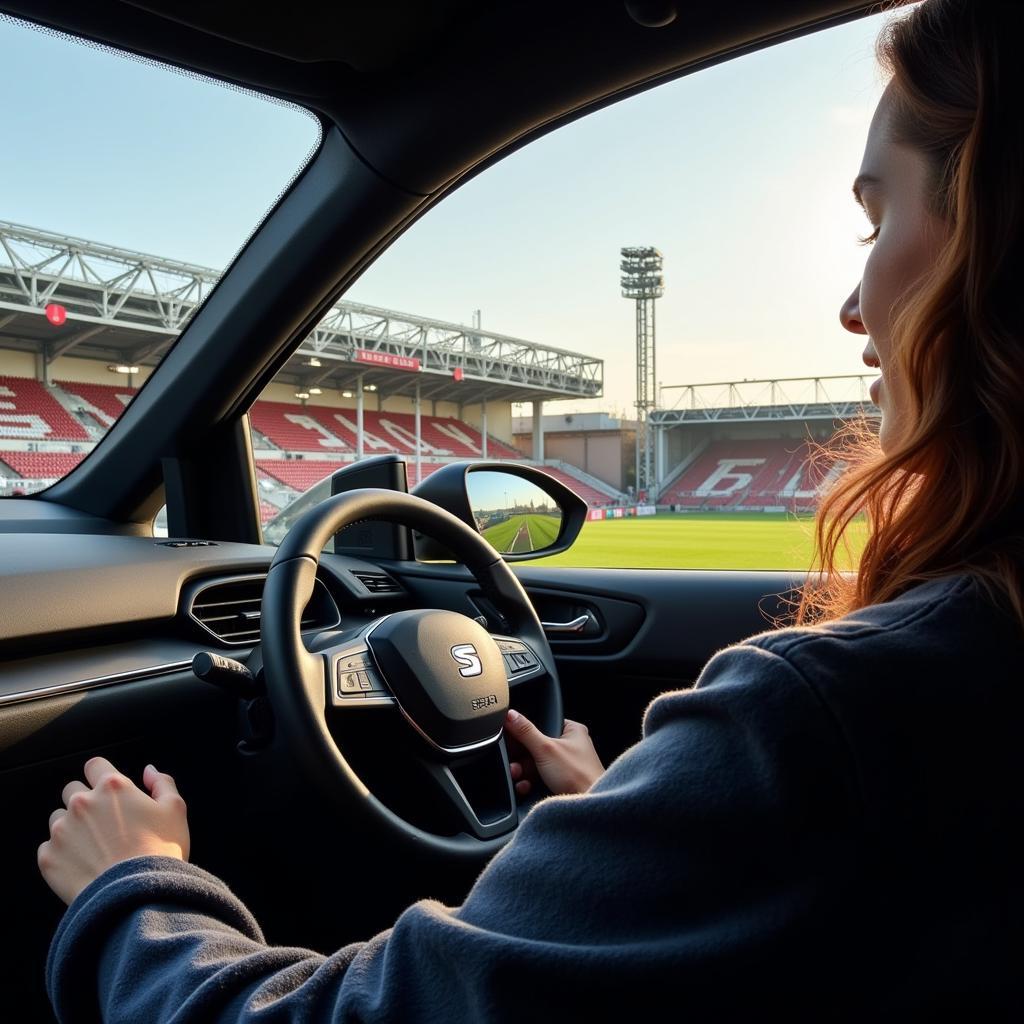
(823, 825)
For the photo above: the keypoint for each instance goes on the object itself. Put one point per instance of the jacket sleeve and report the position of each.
(718, 842)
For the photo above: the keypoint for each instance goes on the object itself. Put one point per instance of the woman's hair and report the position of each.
(948, 497)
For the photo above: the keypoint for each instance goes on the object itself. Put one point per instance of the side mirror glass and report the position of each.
(513, 514)
(519, 509)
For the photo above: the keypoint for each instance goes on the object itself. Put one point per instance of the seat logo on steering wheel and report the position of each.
(466, 656)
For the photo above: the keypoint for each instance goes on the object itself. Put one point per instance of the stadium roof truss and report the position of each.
(792, 398)
(129, 307)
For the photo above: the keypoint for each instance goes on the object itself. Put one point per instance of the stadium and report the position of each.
(83, 323)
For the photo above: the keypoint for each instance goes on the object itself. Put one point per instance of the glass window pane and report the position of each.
(128, 188)
(740, 177)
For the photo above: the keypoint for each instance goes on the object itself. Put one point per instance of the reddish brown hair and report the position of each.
(949, 497)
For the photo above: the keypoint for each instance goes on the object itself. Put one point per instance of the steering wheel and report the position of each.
(451, 680)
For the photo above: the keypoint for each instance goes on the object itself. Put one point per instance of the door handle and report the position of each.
(576, 625)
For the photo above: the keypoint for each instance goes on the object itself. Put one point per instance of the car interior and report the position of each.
(328, 819)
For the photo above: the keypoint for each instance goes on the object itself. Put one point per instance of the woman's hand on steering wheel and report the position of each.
(567, 764)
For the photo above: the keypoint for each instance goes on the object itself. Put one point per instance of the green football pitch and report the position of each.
(700, 541)
(523, 533)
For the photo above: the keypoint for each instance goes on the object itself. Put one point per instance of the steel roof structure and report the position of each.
(129, 307)
(840, 397)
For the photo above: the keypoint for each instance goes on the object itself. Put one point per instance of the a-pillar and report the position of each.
(538, 430)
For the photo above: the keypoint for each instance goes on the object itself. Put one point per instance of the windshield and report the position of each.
(128, 188)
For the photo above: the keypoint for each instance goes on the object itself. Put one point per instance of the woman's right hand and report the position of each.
(566, 764)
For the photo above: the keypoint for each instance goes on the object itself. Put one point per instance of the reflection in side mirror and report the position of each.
(514, 515)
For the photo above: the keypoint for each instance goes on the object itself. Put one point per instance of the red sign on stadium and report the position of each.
(387, 359)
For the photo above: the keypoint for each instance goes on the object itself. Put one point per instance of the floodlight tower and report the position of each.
(642, 280)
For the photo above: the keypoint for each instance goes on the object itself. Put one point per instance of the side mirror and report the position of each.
(522, 511)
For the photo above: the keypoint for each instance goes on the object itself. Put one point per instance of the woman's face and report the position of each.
(892, 188)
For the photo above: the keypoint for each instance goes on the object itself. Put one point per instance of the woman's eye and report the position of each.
(869, 239)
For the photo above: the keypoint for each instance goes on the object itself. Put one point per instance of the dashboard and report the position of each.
(81, 611)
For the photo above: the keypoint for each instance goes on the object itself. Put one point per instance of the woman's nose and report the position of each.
(849, 315)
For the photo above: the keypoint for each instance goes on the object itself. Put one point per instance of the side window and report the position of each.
(111, 238)
(643, 303)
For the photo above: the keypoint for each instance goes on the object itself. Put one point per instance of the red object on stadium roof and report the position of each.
(457, 373)
(56, 313)
(387, 359)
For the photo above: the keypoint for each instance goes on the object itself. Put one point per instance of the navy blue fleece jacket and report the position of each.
(825, 826)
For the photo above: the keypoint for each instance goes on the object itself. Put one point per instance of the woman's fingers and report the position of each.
(525, 769)
(97, 768)
(71, 788)
(57, 814)
(161, 786)
(517, 771)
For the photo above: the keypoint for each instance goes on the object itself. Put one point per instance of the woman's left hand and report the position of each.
(109, 820)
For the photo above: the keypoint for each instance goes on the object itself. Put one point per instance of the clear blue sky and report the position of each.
(125, 152)
(740, 174)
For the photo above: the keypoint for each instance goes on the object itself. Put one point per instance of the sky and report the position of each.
(491, 491)
(740, 174)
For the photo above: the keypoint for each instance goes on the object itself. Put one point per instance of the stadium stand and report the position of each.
(298, 474)
(301, 474)
(591, 495)
(29, 412)
(108, 400)
(757, 473)
(440, 437)
(42, 465)
(76, 411)
(319, 428)
(293, 428)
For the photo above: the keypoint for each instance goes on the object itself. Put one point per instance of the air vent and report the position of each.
(230, 609)
(377, 582)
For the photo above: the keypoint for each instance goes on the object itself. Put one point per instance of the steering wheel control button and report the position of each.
(348, 683)
(354, 661)
(446, 673)
(520, 661)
